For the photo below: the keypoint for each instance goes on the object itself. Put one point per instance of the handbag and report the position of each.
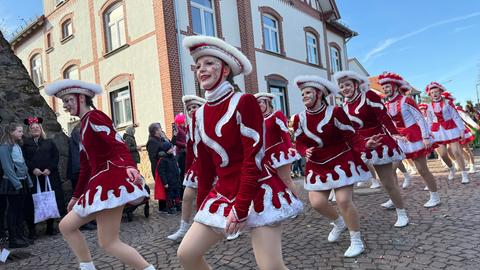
(44, 203)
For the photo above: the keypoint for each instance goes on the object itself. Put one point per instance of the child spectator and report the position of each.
(170, 174)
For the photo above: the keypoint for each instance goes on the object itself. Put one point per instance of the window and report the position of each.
(335, 59)
(49, 40)
(312, 49)
(114, 27)
(71, 73)
(203, 18)
(36, 69)
(280, 100)
(58, 2)
(67, 28)
(270, 34)
(121, 105)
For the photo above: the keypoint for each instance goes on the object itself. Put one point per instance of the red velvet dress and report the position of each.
(369, 117)
(190, 179)
(445, 123)
(103, 182)
(336, 160)
(232, 175)
(411, 124)
(278, 145)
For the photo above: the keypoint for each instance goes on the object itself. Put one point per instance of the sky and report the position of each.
(422, 40)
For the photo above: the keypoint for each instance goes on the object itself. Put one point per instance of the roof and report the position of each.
(355, 61)
(341, 27)
(27, 30)
(375, 86)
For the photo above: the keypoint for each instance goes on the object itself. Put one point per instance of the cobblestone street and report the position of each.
(445, 237)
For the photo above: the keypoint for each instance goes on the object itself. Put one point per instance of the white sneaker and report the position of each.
(180, 233)
(361, 184)
(451, 173)
(426, 188)
(332, 197)
(87, 266)
(388, 204)
(406, 181)
(465, 179)
(433, 201)
(337, 230)
(356, 245)
(472, 169)
(402, 218)
(234, 236)
(150, 267)
(375, 183)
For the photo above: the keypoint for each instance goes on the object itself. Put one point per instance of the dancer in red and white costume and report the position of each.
(191, 104)
(236, 187)
(108, 179)
(447, 128)
(278, 145)
(467, 142)
(325, 135)
(410, 123)
(369, 117)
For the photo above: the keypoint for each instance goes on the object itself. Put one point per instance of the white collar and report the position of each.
(222, 90)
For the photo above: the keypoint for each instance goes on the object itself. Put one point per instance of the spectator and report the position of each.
(129, 138)
(169, 173)
(41, 156)
(14, 184)
(155, 139)
(180, 141)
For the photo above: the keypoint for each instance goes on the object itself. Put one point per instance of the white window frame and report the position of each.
(67, 28)
(36, 69)
(108, 25)
(68, 71)
(280, 100)
(204, 9)
(125, 87)
(58, 2)
(271, 30)
(312, 48)
(335, 59)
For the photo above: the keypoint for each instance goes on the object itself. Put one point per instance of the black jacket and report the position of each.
(132, 147)
(154, 149)
(42, 155)
(73, 166)
(169, 172)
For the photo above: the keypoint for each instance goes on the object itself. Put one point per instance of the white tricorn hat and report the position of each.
(264, 95)
(362, 80)
(205, 45)
(192, 99)
(64, 87)
(324, 85)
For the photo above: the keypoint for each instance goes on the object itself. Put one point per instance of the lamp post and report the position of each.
(478, 100)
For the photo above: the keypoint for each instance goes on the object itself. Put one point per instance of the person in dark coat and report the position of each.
(154, 148)
(170, 174)
(41, 156)
(180, 141)
(129, 138)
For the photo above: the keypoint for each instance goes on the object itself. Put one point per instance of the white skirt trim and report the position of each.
(284, 159)
(411, 147)
(190, 180)
(358, 175)
(445, 135)
(385, 159)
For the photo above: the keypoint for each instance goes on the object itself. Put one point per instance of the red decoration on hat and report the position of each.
(448, 96)
(432, 85)
(33, 120)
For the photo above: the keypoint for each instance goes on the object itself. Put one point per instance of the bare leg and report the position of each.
(347, 208)
(198, 240)
(108, 224)
(422, 167)
(69, 227)
(267, 247)
(457, 152)
(319, 201)
(284, 173)
(187, 203)
(443, 153)
(468, 153)
(388, 179)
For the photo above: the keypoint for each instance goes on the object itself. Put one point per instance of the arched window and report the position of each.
(277, 84)
(203, 17)
(335, 59)
(312, 48)
(71, 72)
(67, 28)
(114, 26)
(272, 30)
(36, 69)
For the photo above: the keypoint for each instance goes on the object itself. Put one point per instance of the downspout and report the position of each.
(179, 47)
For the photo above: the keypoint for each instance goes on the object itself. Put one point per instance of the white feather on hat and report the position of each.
(264, 95)
(64, 87)
(192, 99)
(362, 80)
(326, 86)
(205, 45)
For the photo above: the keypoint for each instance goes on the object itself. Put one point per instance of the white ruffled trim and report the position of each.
(284, 159)
(443, 135)
(112, 201)
(217, 219)
(411, 147)
(376, 160)
(271, 214)
(190, 180)
(358, 175)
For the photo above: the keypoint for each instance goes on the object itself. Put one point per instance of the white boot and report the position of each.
(472, 168)
(356, 245)
(465, 179)
(402, 218)
(87, 266)
(150, 268)
(338, 227)
(375, 183)
(407, 180)
(425, 188)
(234, 236)
(180, 233)
(332, 197)
(451, 173)
(388, 204)
(434, 200)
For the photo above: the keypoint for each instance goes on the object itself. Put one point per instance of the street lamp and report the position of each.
(478, 100)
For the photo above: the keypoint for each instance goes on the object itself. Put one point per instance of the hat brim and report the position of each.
(318, 83)
(65, 87)
(362, 80)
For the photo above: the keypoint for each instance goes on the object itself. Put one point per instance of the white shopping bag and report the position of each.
(45, 205)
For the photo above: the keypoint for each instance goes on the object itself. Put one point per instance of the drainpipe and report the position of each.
(179, 47)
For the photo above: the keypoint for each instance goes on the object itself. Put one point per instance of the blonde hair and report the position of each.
(42, 133)
(7, 135)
